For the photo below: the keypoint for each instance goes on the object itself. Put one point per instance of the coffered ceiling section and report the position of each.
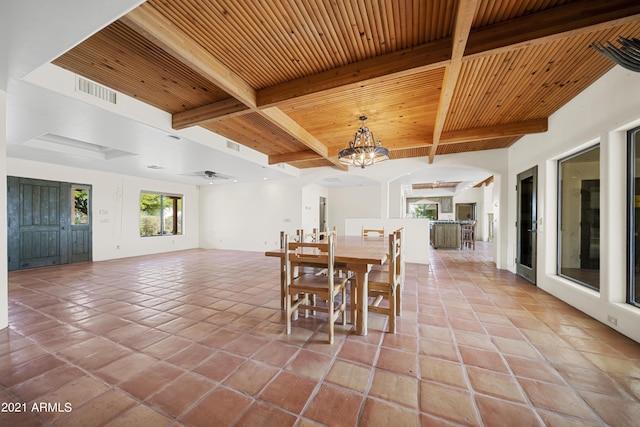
(290, 78)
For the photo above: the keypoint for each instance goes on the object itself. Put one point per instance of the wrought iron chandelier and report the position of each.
(627, 55)
(364, 150)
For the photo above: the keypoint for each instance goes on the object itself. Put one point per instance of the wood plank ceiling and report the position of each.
(289, 78)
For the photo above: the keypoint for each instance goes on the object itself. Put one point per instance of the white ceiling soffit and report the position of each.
(61, 144)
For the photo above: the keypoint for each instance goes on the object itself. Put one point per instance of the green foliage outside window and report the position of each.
(160, 214)
(80, 206)
(424, 211)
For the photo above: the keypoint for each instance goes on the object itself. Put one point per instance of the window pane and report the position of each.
(179, 214)
(167, 215)
(80, 206)
(634, 204)
(579, 218)
(150, 214)
(424, 210)
(160, 214)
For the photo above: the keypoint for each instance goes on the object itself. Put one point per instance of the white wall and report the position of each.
(249, 216)
(353, 202)
(602, 113)
(485, 216)
(4, 291)
(116, 209)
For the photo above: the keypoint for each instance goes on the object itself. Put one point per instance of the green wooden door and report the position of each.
(40, 232)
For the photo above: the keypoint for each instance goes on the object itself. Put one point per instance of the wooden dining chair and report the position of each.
(400, 269)
(300, 236)
(326, 287)
(321, 235)
(372, 232)
(385, 284)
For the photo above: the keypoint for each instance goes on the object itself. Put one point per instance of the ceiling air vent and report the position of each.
(95, 90)
(233, 145)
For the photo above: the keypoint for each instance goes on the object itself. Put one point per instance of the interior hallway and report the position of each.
(196, 336)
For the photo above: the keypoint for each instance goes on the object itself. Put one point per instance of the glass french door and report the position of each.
(527, 224)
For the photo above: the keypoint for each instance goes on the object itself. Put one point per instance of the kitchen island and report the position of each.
(445, 234)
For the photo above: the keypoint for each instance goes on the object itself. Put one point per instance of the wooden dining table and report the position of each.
(358, 254)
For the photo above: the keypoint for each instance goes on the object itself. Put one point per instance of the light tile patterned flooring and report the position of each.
(196, 338)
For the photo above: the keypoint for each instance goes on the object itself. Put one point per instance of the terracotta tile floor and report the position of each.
(196, 338)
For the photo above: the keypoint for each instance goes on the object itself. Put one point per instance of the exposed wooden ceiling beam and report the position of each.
(492, 132)
(464, 18)
(409, 61)
(294, 129)
(292, 157)
(154, 26)
(157, 28)
(208, 113)
(485, 182)
(570, 18)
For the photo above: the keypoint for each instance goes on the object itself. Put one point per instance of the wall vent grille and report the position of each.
(95, 90)
(233, 145)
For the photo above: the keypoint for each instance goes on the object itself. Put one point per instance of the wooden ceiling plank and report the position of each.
(378, 36)
(154, 26)
(347, 16)
(307, 11)
(323, 15)
(263, 12)
(390, 28)
(297, 51)
(207, 113)
(464, 19)
(556, 22)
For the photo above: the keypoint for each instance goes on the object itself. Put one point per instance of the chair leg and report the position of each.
(283, 279)
(392, 312)
(288, 312)
(353, 302)
(399, 300)
(343, 306)
(331, 315)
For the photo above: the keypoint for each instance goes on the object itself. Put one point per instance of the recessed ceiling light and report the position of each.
(154, 167)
